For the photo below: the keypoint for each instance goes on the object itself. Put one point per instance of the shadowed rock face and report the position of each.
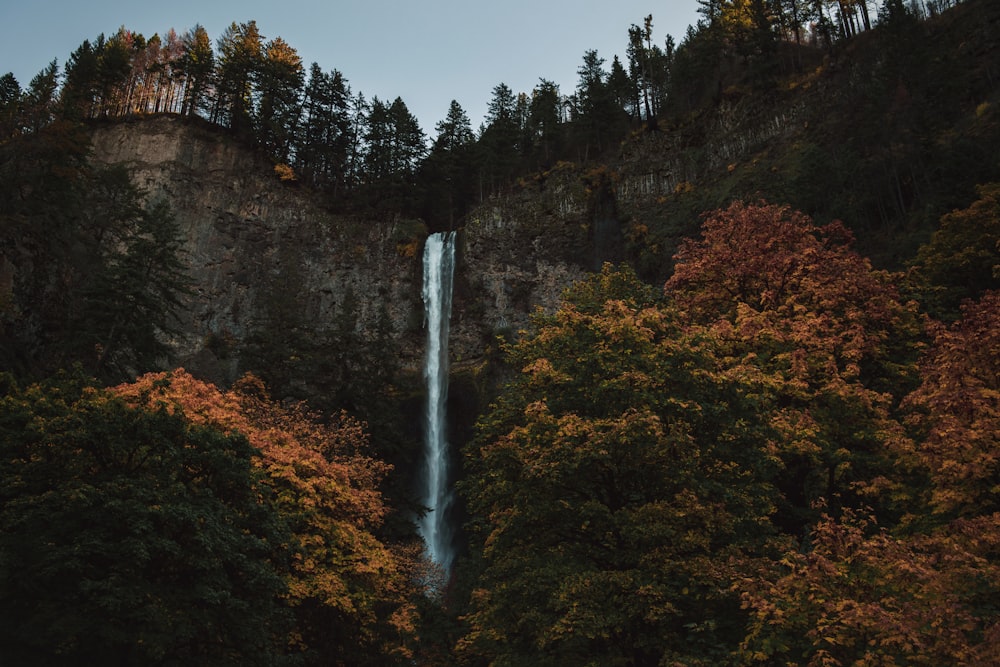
(252, 239)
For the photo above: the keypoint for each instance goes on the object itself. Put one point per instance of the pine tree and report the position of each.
(278, 109)
(447, 174)
(239, 62)
(197, 65)
(324, 140)
(499, 141)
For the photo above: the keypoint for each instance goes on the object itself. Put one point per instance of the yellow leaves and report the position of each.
(542, 372)
(285, 173)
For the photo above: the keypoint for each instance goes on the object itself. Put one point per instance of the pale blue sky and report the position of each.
(427, 52)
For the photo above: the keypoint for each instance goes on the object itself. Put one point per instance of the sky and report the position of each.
(427, 52)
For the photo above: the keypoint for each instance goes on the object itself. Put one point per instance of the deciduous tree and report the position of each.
(132, 536)
(792, 305)
(616, 488)
(351, 594)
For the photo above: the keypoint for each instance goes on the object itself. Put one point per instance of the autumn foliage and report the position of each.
(776, 462)
(166, 519)
(349, 590)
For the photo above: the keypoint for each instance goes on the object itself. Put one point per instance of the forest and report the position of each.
(769, 436)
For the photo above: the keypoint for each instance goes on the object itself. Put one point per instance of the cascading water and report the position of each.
(439, 264)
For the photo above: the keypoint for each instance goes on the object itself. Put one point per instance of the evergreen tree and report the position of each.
(639, 66)
(394, 144)
(131, 286)
(278, 109)
(114, 66)
(10, 106)
(544, 125)
(499, 141)
(129, 536)
(324, 142)
(239, 62)
(81, 81)
(40, 102)
(622, 89)
(448, 172)
(197, 66)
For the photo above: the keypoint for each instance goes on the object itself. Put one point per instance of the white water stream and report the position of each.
(439, 264)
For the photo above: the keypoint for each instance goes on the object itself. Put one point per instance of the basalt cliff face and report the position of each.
(251, 238)
(246, 232)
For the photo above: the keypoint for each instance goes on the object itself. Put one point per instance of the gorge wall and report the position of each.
(251, 238)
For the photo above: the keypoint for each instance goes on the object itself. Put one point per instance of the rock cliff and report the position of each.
(246, 231)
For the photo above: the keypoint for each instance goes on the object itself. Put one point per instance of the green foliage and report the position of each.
(352, 596)
(131, 294)
(607, 483)
(130, 536)
(962, 258)
(447, 175)
(99, 272)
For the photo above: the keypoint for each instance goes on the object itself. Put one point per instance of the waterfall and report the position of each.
(439, 263)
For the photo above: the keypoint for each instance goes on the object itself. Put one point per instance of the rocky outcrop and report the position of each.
(247, 232)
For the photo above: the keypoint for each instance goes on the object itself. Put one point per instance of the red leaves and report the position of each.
(956, 410)
(323, 485)
(791, 308)
(862, 596)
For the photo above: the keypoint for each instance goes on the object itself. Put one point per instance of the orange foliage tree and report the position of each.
(962, 258)
(352, 594)
(860, 596)
(926, 594)
(615, 488)
(793, 308)
(955, 413)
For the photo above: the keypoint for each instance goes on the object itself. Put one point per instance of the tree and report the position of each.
(499, 141)
(622, 89)
(278, 109)
(638, 58)
(10, 106)
(544, 126)
(394, 144)
(79, 91)
(855, 593)
(114, 66)
(447, 174)
(40, 99)
(597, 115)
(240, 55)
(860, 596)
(955, 414)
(827, 336)
(616, 488)
(962, 258)
(324, 146)
(131, 289)
(131, 536)
(197, 65)
(352, 595)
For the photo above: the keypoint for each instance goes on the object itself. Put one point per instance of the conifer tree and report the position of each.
(240, 51)
(197, 65)
(278, 108)
(447, 174)
(499, 141)
(324, 140)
